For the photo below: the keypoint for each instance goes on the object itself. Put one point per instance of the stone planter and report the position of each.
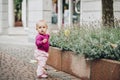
(77, 65)
(105, 69)
(54, 59)
(68, 62)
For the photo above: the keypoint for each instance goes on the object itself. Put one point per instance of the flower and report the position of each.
(67, 32)
(113, 45)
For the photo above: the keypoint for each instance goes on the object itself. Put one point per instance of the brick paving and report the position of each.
(15, 62)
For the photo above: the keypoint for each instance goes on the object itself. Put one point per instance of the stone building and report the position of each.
(56, 12)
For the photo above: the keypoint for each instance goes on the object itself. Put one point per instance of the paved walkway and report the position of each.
(15, 55)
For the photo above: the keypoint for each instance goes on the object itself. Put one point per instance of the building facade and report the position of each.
(57, 12)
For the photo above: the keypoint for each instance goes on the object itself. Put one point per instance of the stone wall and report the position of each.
(116, 6)
(38, 10)
(116, 9)
(91, 10)
(0, 15)
(3, 16)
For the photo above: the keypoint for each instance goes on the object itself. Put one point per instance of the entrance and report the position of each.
(66, 11)
(18, 13)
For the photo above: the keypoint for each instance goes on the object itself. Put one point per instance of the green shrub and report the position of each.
(94, 43)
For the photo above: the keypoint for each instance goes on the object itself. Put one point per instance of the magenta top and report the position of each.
(40, 45)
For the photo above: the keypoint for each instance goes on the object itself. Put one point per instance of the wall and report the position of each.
(91, 10)
(37, 10)
(3, 16)
(0, 15)
(116, 5)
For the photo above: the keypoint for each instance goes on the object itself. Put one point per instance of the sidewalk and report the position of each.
(15, 54)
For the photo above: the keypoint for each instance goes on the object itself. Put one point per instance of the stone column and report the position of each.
(24, 14)
(0, 16)
(81, 10)
(70, 12)
(60, 13)
(3, 16)
(47, 11)
(38, 10)
(11, 13)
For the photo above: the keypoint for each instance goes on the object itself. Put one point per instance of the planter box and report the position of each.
(68, 62)
(54, 59)
(76, 65)
(105, 70)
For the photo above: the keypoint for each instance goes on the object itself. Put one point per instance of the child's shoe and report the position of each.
(42, 76)
(33, 61)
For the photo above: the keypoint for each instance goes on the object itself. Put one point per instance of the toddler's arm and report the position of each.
(39, 41)
(46, 38)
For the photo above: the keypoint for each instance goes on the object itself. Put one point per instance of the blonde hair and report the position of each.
(41, 23)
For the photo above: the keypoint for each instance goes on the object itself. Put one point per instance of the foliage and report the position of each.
(94, 43)
(18, 7)
(18, 1)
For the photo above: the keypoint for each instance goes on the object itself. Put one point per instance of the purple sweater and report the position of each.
(40, 45)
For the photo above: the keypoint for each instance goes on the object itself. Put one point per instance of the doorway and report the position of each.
(18, 13)
(65, 11)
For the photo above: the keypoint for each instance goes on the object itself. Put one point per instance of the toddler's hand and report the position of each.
(44, 40)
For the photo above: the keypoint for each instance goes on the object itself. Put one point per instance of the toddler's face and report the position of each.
(41, 28)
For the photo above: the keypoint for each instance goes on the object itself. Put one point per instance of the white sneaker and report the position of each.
(44, 76)
(33, 61)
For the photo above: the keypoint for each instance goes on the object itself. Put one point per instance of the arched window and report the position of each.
(77, 6)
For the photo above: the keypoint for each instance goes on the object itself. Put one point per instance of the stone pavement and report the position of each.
(15, 55)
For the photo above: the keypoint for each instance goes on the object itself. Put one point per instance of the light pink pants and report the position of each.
(41, 57)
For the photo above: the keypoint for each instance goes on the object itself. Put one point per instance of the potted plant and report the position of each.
(81, 47)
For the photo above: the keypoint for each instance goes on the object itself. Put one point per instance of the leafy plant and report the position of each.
(94, 43)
